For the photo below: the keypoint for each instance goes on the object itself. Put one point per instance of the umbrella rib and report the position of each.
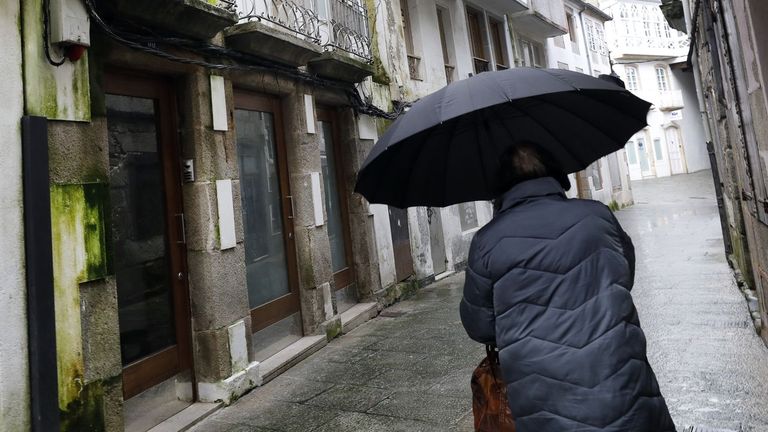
(583, 119)
(567, 148)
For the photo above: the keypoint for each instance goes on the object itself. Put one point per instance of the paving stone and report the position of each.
(709, 362)
(350, 398)
(430, 408)
(357, 422)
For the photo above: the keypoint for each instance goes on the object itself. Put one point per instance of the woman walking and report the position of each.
(548, 282)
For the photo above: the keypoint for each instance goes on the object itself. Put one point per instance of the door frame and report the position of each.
(154, 369)
(345, 277)
(275, 310)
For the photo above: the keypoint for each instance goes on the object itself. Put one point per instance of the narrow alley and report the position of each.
(409, 369)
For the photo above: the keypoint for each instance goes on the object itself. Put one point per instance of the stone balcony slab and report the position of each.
(197, 19)
(338, 65)
(266, 41)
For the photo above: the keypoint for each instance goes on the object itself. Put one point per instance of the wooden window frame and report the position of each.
(274, 311)
(345, 277)
(149, 371)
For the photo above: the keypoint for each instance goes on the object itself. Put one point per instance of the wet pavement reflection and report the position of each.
(711, 365)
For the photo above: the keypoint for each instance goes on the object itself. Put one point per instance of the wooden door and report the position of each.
(675, 148)
(270, 248)
(335, 199)
(401, 243)
(148, 241)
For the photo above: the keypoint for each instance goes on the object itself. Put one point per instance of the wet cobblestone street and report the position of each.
(410, 370)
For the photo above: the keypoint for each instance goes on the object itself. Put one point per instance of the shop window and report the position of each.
(657, 149)
(468, 216)
(631, 153)
(595, 171)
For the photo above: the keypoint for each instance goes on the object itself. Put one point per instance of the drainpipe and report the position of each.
(583, 37)
(43, 376)
(693, 62)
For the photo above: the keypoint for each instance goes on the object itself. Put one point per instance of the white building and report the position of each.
(583, 49)
(648, 55)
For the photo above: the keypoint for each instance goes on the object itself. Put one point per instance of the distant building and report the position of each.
(583, 49)
(648, 55)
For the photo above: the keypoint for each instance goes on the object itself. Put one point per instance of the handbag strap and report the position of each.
(492, 353)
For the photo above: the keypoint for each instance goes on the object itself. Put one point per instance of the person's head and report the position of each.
(527, 161)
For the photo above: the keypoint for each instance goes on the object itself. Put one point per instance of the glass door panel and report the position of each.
(332, 202)
(139, 238)
(265, 257)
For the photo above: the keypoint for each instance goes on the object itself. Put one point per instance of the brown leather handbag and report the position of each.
(489, 396)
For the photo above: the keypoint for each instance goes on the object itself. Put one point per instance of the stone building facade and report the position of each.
(203, 236)
(584, 49)
(650, 57)
(729, 61)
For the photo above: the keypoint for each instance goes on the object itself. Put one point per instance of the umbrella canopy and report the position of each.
(446, 148)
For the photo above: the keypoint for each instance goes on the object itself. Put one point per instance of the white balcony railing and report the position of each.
(664, 100)
(340, 24)
(670, 100)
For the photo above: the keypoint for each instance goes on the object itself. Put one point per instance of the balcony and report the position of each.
(507, 6)
(287, 32)
(631, 46)
(666, 100)
(544, 19)
(330, 36)
(197, 19)
(670, 100)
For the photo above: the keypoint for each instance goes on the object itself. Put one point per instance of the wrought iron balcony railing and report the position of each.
(341, 24)
(348, 27)
(230, 5)
(297, 17)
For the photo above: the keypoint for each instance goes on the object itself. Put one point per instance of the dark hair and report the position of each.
(527, 161)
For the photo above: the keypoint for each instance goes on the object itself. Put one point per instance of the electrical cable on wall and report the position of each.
(47, 35)
(241, 62)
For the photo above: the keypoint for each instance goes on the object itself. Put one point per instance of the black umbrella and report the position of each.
(446, 148)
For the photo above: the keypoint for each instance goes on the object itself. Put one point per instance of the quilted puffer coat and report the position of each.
(548, 282)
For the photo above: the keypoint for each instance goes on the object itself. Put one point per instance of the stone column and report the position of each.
(365, 256)
(312, 245)
(217, 282)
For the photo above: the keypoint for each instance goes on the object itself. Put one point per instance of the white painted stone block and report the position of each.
(317, 199)
(367, 128)
(226, 214)
(238, 348)
(218, 103)
(309, 110)
(230, 388)
(327, 300)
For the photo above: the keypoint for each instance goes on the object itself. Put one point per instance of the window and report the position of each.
(571, 27)
(443, 24)
(533, 53)
(414, 61)
(632, 82)
(631, 153)
(561, 65)
(595, 36)
(595, 171)
(499, 43)
(667, 32)
(657, 149)
(476, 41)
(468, 216)
(661, 78)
